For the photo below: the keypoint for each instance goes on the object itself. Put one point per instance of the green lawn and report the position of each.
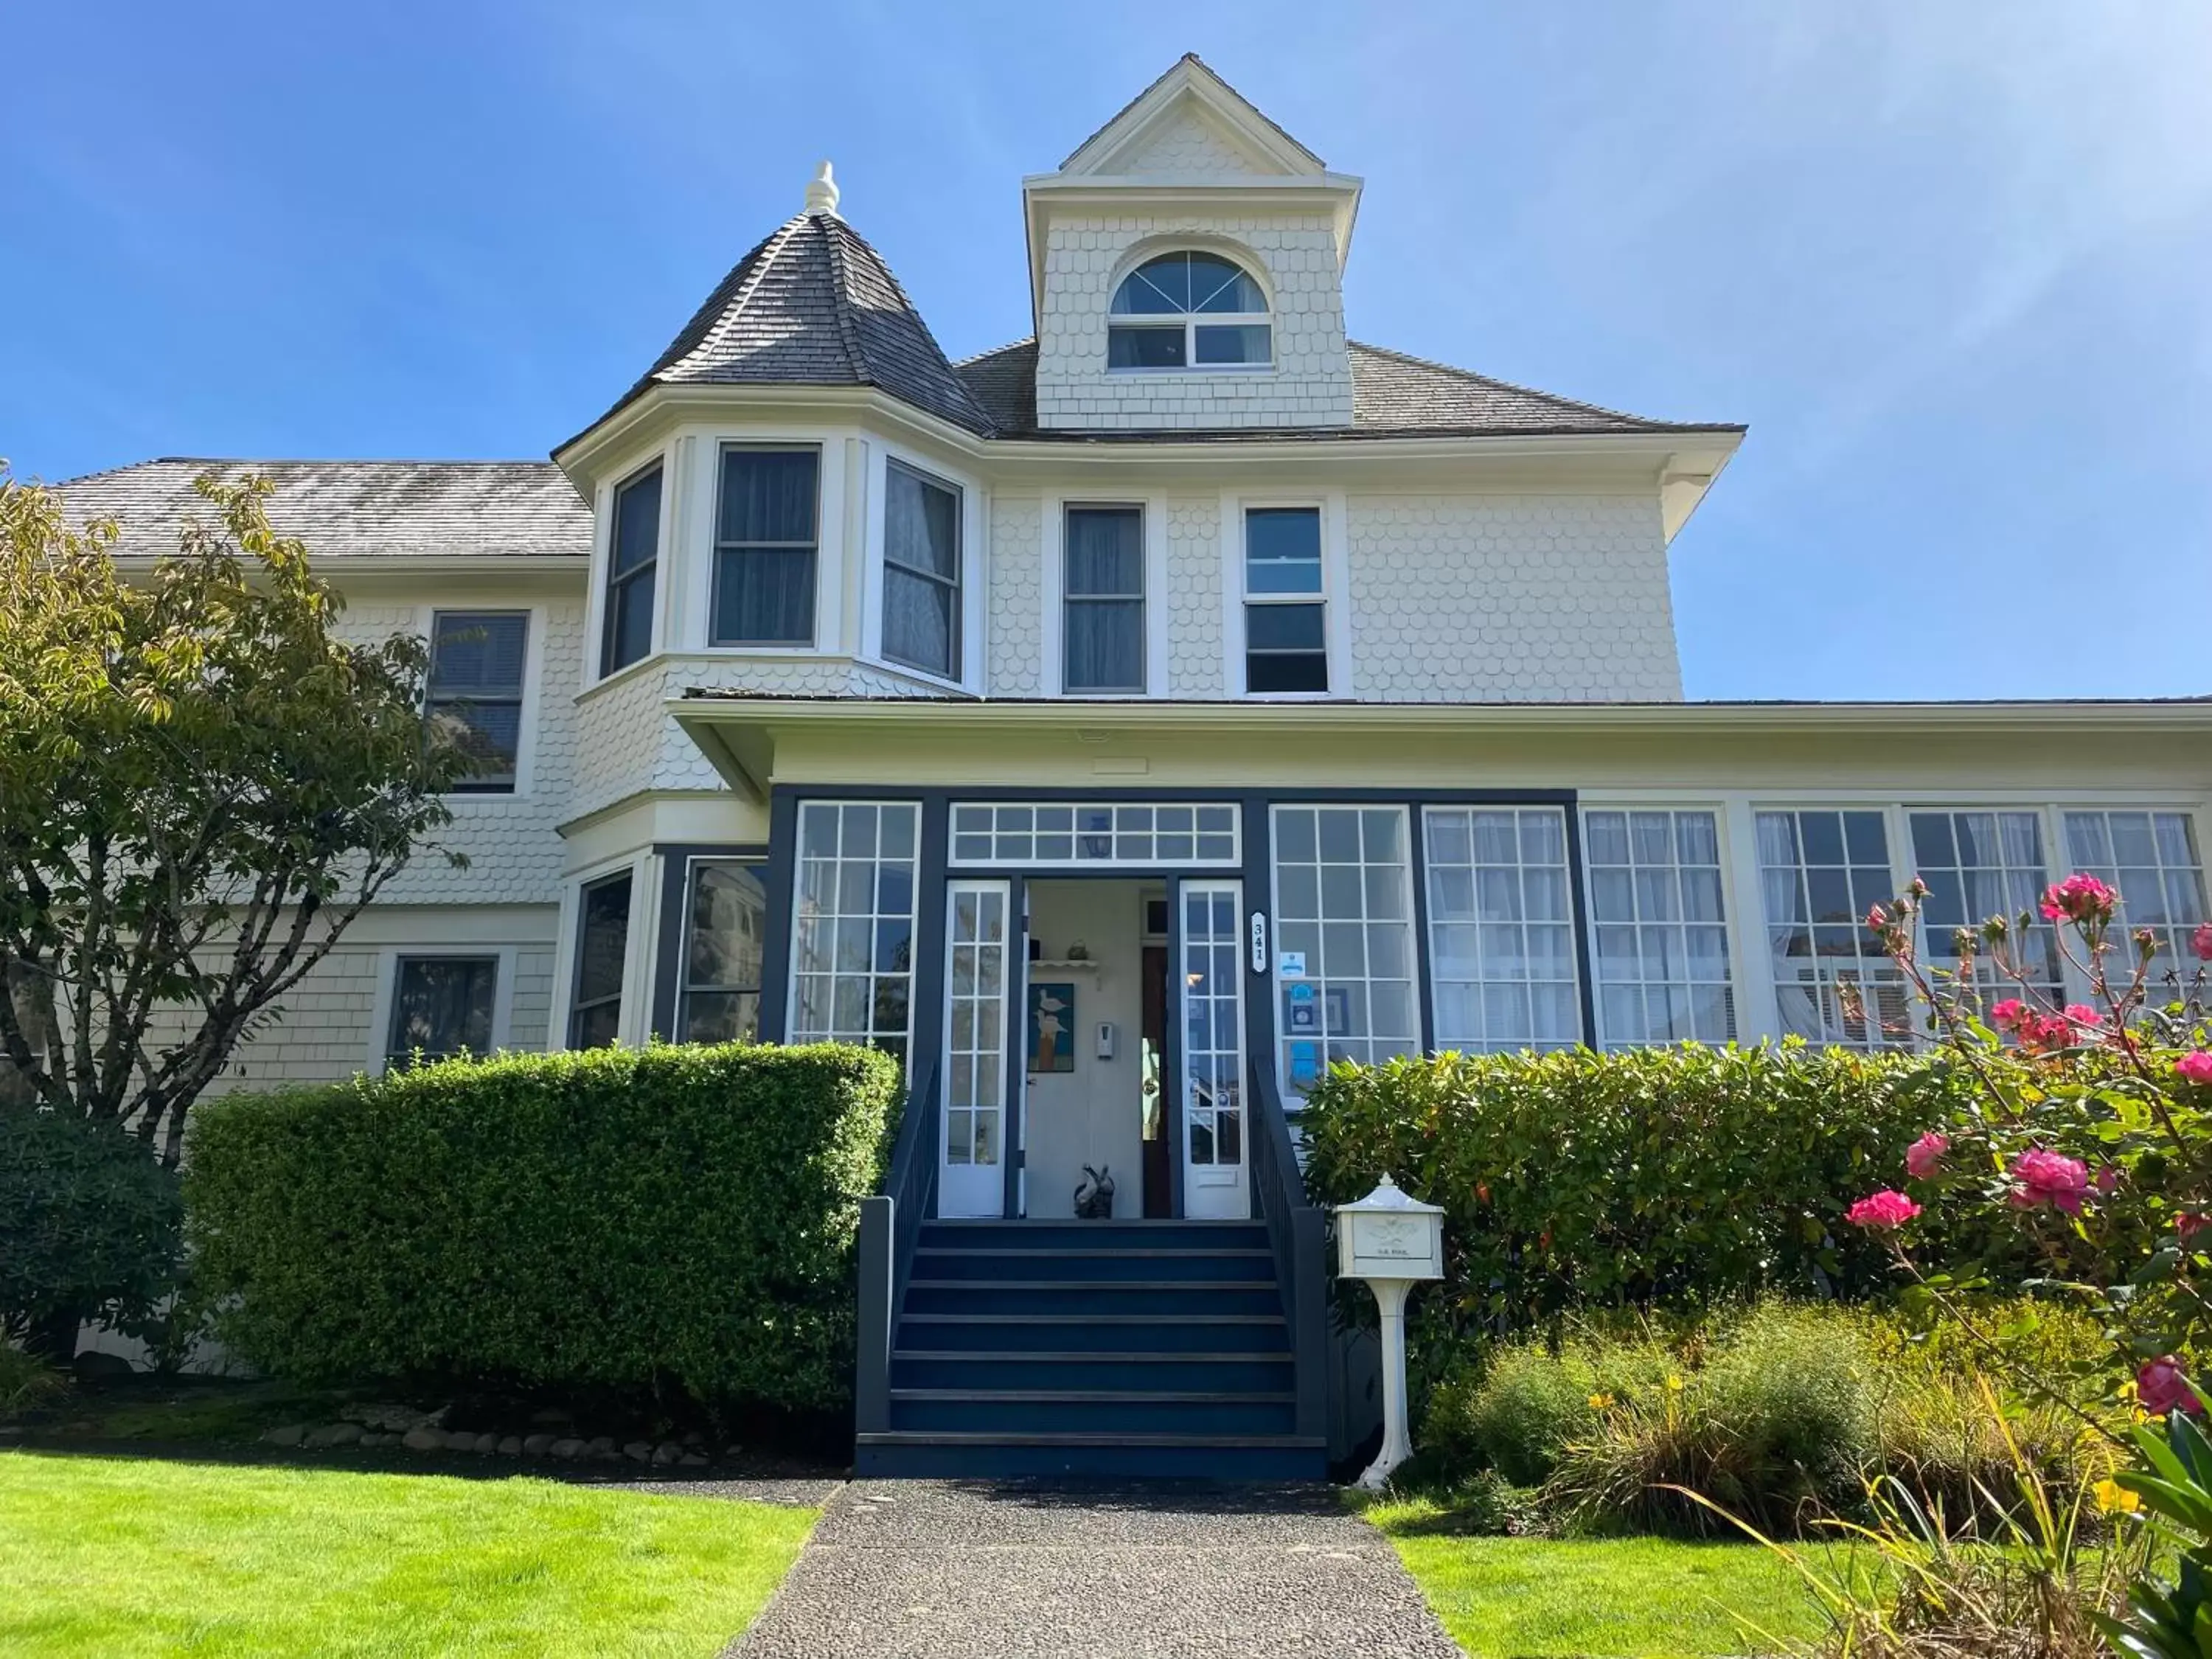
(1628, 1598)
(102, 1556)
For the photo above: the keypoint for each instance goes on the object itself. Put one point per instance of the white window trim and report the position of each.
(1052, 635)
(644, 868)
(792, 919)
(387, 989)
(974, 564)
(603, 539)
(1335, 595)
(533, 675)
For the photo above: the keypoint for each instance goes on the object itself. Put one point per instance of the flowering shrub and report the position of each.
(2092, 1123)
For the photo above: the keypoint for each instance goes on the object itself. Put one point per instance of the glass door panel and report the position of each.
(971, 1180)
(1211, 995)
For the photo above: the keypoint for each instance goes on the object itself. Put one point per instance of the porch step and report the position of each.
(1102, 1411)
(1090, 1263)
(1128, 1456)
(1097, 1333)
(1125, 1368)
(1108, 1348)
(1093, 1296)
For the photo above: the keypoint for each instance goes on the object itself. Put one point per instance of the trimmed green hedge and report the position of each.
(1676, 1176)
(621, 1219)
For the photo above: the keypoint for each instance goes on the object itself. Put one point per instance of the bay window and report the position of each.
(921, 572)
(767, 537)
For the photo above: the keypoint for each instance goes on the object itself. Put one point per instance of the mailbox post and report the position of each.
(1394, 1242)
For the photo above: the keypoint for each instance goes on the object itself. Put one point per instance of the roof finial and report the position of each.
(822, 191)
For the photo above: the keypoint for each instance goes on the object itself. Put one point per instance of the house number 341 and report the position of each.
(1259, 941)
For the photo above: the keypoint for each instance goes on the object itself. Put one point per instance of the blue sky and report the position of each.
(1949, 262)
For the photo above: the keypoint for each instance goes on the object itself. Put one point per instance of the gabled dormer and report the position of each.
(1186, 270)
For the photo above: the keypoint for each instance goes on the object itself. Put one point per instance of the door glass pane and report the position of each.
(976, 1070)
(1213, 1022)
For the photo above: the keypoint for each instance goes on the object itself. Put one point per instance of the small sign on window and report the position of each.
(1290, 964)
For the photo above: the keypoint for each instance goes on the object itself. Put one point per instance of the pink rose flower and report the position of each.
(1925, 1156)
(1876, 920)
(2108, 1179)
(2201, 942)
(2195, 1067)
(1882, 1211)
(2081, 898)
(2189, 1225)
(2008, 1013)
(2082, 1014)
(2050, 1178)
(2160, 1388)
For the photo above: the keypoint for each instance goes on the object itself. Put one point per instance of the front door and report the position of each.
(979, 986)
(1211, 1075)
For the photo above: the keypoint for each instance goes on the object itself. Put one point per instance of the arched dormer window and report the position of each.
(1188, 310)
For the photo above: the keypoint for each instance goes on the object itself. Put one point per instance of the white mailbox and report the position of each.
(1394, 1242)
(1389, 1234)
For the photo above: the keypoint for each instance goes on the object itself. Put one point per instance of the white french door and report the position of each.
(979, 998)
(1211, 990)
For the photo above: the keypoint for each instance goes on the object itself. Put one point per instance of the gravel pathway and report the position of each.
(1020, 1570)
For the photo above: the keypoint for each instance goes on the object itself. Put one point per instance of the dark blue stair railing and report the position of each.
(1298, 1234)
(890, 1222)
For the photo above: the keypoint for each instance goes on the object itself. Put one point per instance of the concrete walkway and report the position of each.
(1017, 1570)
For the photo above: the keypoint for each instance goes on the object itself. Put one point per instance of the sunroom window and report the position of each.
(1188, 310)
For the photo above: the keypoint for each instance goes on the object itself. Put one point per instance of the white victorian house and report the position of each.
(1123, 724)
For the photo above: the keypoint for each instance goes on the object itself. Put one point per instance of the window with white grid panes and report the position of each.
(852, 946)
(2152, 859)
(1819, 873)
(1658, 929)
(1214, 1024)
(976, 1057)
(1344, 914)
(1501, 929)
(1040, 835)
(1980, 863)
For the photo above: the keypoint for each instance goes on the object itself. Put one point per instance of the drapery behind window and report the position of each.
(1105, 589)
(921, 573)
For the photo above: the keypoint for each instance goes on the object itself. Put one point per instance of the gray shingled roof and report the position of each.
(814, 305)
(1393, 396)
(352, 509)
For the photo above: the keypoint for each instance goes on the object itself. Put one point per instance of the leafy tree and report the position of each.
(201, 787)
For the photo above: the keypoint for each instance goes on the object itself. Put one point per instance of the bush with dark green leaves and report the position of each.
(676, 1222)
(90, 1224)
(1671, 1178)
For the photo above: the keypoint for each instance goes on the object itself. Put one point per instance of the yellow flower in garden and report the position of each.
(1674, 1385)
(1599, 1402)
(2113, 1498)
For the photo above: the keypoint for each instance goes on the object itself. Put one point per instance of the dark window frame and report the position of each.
(1317, 600)
(1070, 600)
(434, 704)
(579, 1004)
(622, 585)
(395, 1056)
(686, 987)
(954, 586)
(724, 550)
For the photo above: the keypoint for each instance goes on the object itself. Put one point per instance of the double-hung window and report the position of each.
(1501, 929)
(726, 921)
(441, 1006)
(1285, 614)
(1658, 927)
(921, 572)
(767, 533)
(1103, 592)
(477, 661)
(633, 556)
(1977, 864)
(602, 949)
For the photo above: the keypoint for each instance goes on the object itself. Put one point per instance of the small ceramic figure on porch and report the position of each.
(1094, 1197)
